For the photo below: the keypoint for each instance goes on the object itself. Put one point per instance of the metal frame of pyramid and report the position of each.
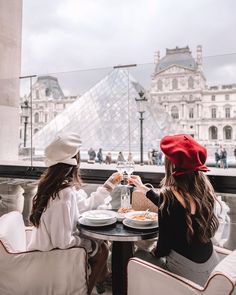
(106, 117)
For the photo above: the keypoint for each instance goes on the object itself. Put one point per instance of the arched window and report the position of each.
(175, 112)
(35, 130)
(213, 133)
(190, 83)
(174, 84)
(227, 131)
(160, 85)
(36, 117)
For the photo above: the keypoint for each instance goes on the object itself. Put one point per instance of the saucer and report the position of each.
(84, 221)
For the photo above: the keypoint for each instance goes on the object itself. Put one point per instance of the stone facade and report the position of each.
(48, 100)
(207, 113)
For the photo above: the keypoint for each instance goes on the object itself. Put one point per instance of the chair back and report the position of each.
(140, 202)
(12, 232)
(223, 278)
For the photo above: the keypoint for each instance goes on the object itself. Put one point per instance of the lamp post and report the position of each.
(25, 114)
(141, 101)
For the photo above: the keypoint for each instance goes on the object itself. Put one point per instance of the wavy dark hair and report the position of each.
(197, 186)
(53, 180)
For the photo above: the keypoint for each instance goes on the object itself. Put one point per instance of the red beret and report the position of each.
(185, 153)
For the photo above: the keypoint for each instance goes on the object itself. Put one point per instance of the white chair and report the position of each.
(56, 272)
(146, 278)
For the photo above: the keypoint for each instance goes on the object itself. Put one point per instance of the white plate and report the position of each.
(138, 226)
(99, 216)
(147, 221)
(86, 222)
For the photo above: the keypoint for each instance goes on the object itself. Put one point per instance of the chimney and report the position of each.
(157, 57)
(199, 57)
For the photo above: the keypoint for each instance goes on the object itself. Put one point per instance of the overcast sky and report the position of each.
(69, 35)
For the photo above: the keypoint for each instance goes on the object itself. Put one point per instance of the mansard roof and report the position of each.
(177, 56)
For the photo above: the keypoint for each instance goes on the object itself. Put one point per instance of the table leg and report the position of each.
(121, 252)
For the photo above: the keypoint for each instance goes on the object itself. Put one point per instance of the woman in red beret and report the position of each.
(186, 211)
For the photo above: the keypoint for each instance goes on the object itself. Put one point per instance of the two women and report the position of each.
(59, 201)
(185, 203)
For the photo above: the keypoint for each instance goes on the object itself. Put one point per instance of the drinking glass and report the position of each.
(120, 166)
(129, 167)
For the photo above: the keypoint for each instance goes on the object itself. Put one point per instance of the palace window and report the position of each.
(213, 133)
(36, 117)
(47, 92)
(213, 97)
(37, 94)
(160, 85)
(213, 113)
(191, 113)
(227, 131)
(175, 112)
(190, 83)
(35, 130)
(226, 96)
(174, 84)
(227, 112)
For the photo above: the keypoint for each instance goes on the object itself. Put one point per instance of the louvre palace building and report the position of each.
(179, 101)
(207, 113)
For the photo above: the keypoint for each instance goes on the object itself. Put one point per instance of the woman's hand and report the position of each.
(113, 181)
(136, 180)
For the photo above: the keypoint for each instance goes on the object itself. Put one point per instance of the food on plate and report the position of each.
(125, 210)
(144, 216)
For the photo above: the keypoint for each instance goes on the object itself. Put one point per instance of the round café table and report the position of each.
(123, 239)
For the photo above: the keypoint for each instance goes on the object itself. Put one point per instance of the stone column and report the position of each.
(10, 55)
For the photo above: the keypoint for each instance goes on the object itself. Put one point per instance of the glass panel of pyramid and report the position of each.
(106, 117)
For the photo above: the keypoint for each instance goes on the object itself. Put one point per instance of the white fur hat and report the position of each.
(62, 149)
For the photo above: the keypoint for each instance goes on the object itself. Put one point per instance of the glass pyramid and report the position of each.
(106, 117)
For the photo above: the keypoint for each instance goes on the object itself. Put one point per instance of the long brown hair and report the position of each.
(53, 180)
(197, 186)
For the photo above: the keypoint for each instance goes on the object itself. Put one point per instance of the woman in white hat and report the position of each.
(59, 201)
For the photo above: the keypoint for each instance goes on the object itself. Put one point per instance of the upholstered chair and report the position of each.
(146, 278)
(60, 272)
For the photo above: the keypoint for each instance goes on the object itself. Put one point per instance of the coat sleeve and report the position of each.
(93, 201)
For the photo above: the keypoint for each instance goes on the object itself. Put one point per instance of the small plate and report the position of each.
(131, 224)
(86, 222)
(99, 216)
(120, 216)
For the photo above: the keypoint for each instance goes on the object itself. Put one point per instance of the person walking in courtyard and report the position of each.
(186, 203)
(120, 157)
(223, 158)
(92, 155)
(100, 156)
(59, 202)
(108, 159)
(217, 159)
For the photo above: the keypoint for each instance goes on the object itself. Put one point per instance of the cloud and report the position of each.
(65, 35)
